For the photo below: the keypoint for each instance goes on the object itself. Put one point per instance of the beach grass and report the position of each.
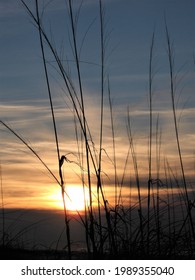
(160, 222)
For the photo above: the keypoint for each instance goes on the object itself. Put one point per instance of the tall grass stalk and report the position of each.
(117, 197)
(76, 55)
(99, 185)
(135, 165)
(2, 207)
(112, 241)
(79, 136)
(158, 161)
(170, 53)
(168, 202)
(117, 201)
(60, 159)
(150, 135)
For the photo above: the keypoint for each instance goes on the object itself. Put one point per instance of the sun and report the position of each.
(75, 199)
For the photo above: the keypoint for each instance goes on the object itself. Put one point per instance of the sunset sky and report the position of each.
(24, 103)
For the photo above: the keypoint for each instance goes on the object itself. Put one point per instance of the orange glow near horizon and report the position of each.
(75, 199)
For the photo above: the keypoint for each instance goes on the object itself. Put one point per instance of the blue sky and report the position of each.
(129, 27)
(131, 24)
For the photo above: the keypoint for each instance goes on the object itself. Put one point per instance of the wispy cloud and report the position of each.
(33, 122)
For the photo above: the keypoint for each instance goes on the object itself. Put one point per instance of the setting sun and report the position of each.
(75, 199)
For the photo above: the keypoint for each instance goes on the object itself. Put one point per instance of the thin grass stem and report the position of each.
(172, 92)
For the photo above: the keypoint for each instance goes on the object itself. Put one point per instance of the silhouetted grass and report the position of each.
(160, 223)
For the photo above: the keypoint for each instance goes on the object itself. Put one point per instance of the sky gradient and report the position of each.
(24, 103)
